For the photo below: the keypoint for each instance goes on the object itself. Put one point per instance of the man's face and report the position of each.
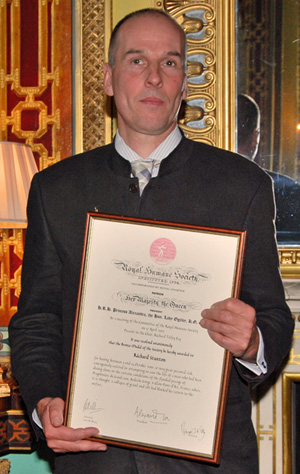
(148, 78)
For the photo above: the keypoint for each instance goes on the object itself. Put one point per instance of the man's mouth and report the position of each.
(156, 101)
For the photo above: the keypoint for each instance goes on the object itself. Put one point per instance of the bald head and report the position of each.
(150, 12)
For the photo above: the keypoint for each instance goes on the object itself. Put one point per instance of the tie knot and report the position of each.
(142, 167)
(142, 170)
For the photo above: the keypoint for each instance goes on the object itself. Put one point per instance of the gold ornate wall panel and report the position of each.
(93, 123)
(266, 425)
(209, 113)
(291, 381)
(290, 262)
(96, 21)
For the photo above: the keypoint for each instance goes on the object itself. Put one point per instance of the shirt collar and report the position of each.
(162, 151)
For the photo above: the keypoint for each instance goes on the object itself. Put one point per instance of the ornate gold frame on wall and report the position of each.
(210, 107)
(92, 114)
(288, 378)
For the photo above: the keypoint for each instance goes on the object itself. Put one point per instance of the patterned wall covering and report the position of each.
(35, 104)
(36, 76)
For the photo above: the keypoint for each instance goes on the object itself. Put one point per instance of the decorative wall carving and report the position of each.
(203, 118)
(290, 262)
(96, 21)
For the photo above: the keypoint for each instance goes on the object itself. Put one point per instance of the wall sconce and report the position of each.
(17, 167)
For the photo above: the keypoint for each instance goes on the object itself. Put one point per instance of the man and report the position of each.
(286, 189)
(195, 184)
(248, 129)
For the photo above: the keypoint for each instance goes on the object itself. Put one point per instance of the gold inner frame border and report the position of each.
(288, 378)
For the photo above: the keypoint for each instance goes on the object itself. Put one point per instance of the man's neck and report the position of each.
(142, 144)
(157, 155)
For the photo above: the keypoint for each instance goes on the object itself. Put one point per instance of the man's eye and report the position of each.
(169, 62)
(137, 61)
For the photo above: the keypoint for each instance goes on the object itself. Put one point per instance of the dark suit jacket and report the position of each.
(197, 184)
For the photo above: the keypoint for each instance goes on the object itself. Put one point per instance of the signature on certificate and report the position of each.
(151, 416)
(192, 431)
(91, 406)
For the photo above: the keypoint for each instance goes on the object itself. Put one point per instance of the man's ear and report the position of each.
(184, 89)
(107, 81)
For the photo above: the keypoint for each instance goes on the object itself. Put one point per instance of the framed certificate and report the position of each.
(143, 370)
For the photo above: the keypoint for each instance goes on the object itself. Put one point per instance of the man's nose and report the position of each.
(154, 76)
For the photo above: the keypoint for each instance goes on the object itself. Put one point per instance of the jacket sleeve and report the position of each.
(262, 286)
(35, 330)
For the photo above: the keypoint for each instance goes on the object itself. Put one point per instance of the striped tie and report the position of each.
(142, 170)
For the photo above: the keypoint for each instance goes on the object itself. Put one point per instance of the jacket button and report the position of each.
(133, 188)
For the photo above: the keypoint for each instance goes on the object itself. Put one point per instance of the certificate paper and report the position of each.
(143, 370)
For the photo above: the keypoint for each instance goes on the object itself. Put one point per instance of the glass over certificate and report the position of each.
(143, 370)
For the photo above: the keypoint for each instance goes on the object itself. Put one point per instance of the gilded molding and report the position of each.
(294, 356)
(208, 115)
(94, 122)
(288, 378)
(289, 262)
(267, 432)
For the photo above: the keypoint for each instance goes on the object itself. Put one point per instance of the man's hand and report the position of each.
(62, 439)
(232, 324)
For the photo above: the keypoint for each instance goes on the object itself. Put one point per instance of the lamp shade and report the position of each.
(17, 167)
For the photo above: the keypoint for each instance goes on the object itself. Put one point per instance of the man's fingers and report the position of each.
(62, 438)
(62, 446)
(231, 323)
(66, 433)
(65, 439)
(56, 412)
